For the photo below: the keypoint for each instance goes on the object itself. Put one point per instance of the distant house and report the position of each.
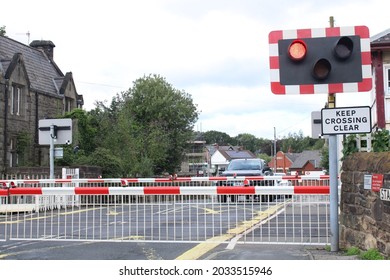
(32, 87)
(297, 163)
(306, 163)
(283, 161)
(195, 159)
(222, 156)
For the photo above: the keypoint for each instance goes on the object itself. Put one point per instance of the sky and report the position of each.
(215, 50)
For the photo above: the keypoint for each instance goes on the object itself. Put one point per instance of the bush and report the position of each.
(111, 165)
(353, 251)
(371, 254)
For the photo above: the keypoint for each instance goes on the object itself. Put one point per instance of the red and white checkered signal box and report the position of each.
(320, 60)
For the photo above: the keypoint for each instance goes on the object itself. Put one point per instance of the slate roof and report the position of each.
(307, 156)
(213, 148)
(236, 154)
(381, 40)
(292, 156)
(43, 74)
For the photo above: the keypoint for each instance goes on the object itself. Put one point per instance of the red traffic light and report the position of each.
(297, 50)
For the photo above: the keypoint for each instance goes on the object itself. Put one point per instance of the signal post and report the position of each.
(322, 60)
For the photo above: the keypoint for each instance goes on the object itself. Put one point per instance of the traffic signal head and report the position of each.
(328, 60)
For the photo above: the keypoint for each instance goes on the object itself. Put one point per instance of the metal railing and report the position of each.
(166, 210)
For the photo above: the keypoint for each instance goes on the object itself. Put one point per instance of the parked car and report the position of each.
(247, 167)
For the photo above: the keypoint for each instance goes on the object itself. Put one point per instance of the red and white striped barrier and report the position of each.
(125, 181)
(166, 190)
(225, 178)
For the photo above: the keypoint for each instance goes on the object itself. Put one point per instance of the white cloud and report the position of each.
(217, 51)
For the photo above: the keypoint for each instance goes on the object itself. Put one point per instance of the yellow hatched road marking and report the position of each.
(206, 246)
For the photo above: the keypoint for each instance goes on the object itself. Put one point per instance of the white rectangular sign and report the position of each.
(385, 194)
(63, 131)
(346, 120)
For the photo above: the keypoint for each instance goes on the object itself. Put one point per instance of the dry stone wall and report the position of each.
(364, 215)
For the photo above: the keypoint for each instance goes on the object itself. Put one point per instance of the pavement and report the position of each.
(57, 250)
(275, 252)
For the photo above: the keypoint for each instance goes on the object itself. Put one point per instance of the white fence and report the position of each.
(167, 210)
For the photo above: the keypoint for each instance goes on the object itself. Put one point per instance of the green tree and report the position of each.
(248, 141)
(2, 31)
(381, 141)
(217, 137)
(158, 120)
(325, 158)
(112, 166)
(297, 143)
(143, 132)
(86, 135)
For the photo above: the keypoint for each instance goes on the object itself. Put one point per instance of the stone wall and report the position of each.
(364, 217)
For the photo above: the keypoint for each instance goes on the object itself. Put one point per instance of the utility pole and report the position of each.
(275, 161)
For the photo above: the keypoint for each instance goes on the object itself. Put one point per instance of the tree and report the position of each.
(158, 120)
(2, 31)
(248, 141)
(217, 137)
(325, 158)
(143, 132)
(297, 143)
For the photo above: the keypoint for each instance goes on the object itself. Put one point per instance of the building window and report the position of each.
(387, 79)
(13, 160)
(68, 104)
(16, 100)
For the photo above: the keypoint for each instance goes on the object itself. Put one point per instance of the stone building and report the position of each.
(32, 87)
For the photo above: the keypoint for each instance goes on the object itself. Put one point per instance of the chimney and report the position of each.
(46, 46)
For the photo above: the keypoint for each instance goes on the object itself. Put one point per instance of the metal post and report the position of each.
(333, 184)
(333, 177)
(52, 151)
(334, 201)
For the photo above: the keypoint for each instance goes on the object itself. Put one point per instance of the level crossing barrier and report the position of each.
(170, 209)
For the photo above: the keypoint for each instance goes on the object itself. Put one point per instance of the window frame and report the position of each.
(14, 157)
(16, 95)
(386, 78)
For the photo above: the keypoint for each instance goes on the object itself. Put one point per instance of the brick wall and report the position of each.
(364, 217)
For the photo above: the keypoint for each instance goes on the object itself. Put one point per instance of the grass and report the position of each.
(371, 254)
(352, 251)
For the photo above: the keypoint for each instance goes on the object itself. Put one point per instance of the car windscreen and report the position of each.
(245, 165)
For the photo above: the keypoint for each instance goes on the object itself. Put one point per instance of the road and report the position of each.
(164, 230)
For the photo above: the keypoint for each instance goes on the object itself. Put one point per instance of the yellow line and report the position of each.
(202, 248)
(208, 210)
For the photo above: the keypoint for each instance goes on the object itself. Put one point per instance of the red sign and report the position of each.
(377, 182)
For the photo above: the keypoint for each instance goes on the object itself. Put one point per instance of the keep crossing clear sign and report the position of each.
(346, 120)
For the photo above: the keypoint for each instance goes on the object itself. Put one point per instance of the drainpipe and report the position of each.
(36, 140)
(377, 61)
(6, 86)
